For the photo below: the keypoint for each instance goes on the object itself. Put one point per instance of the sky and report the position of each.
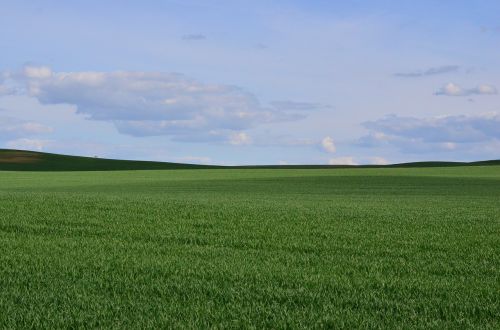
(235, 82)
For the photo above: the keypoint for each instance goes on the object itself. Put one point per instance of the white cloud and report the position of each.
(35, 128)
(342, 161)
(328, 144)
(5, 90)
(378, 161)
(14, 128)
(452, 89)
(37, 72)
(154, 103)
(443, 129)
(240, 138)
(433, 134)
(27, 144)
(449, 145)
(487, 89)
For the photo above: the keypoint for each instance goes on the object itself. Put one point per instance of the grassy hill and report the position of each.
(21, 160)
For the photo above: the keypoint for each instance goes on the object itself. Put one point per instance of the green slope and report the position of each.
(22, 160)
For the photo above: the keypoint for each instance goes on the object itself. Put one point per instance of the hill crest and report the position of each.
(24, 160)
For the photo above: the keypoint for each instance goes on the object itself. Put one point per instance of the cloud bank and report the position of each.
(461, 128)
(452, 89)
(155, 103)
(445, 133)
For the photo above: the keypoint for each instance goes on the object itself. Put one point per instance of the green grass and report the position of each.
(269, 248)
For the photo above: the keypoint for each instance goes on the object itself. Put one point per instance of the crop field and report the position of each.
(251, 248)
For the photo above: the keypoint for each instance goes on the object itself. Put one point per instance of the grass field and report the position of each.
(264, 248)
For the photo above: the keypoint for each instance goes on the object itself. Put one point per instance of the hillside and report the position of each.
(22, 160)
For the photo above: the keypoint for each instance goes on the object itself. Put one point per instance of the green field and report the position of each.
(251, 248)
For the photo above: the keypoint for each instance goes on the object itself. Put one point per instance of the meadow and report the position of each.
(251, 248)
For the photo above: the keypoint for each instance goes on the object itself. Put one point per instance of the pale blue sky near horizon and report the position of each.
(252, 82)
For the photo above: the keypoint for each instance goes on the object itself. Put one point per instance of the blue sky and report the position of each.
(252, 82)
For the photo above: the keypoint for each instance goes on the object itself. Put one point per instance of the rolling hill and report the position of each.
(22, 160)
